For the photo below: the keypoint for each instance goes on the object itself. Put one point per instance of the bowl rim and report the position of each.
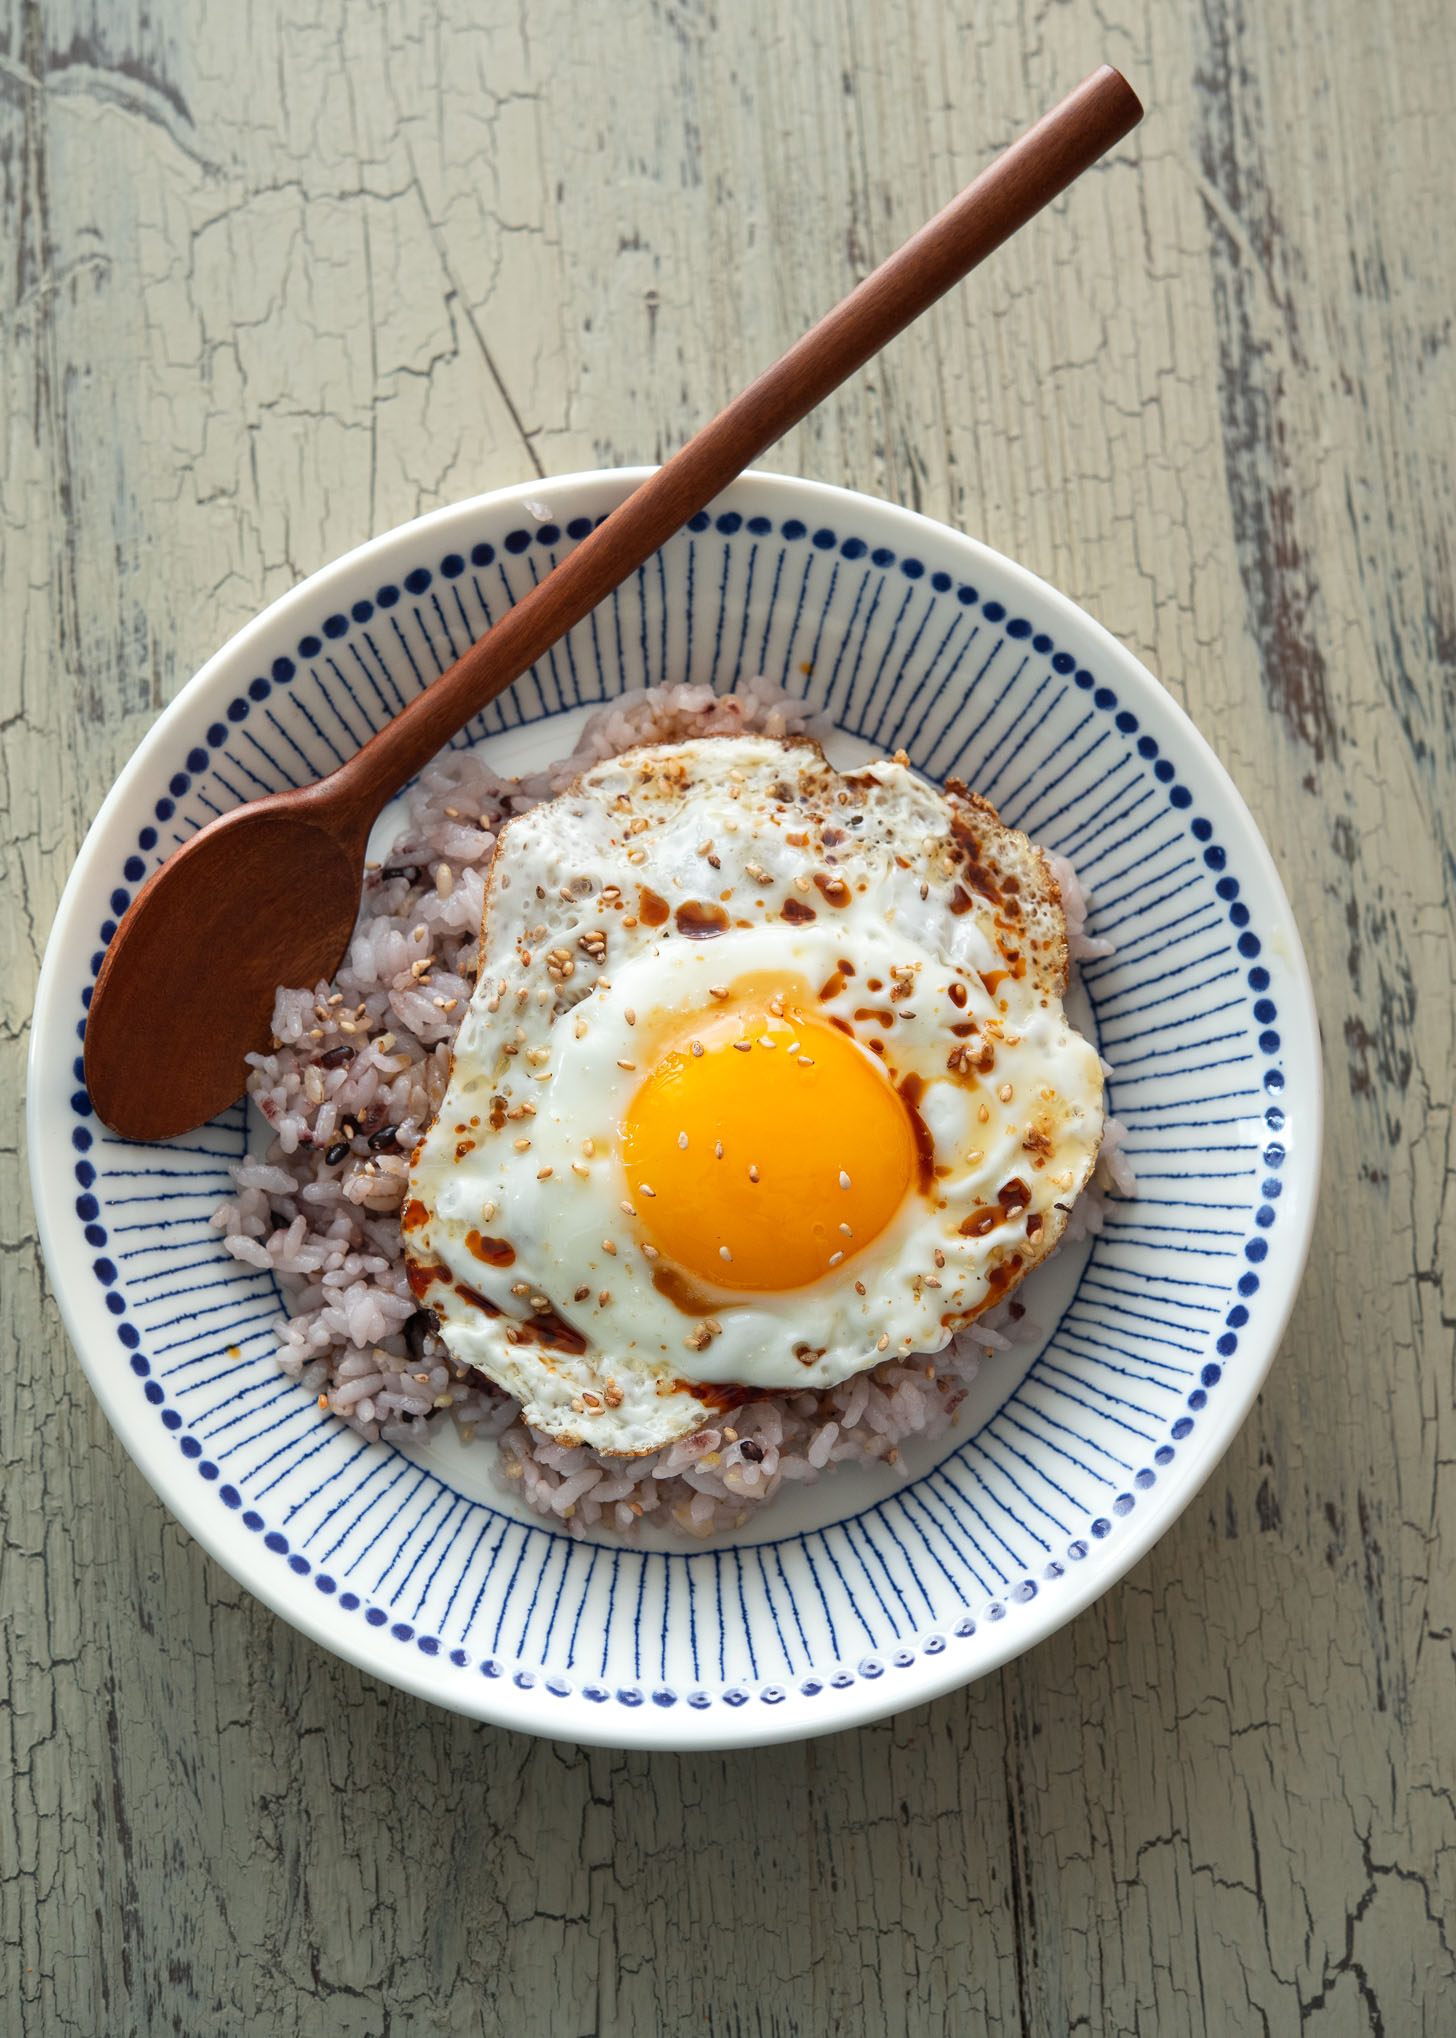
(497, 1701)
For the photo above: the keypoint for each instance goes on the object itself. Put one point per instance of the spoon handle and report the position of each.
(1023, 179)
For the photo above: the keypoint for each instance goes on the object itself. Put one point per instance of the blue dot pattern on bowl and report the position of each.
(968, 687)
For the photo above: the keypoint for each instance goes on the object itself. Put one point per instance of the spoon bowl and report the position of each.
(190, 978)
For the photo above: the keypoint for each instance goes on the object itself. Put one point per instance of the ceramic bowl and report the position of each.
(872, 1590)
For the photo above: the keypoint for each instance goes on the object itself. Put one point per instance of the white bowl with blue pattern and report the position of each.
(874, 1589)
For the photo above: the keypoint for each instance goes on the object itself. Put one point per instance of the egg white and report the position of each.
(576, 982)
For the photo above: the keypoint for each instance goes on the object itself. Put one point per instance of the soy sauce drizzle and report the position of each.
(700, 920)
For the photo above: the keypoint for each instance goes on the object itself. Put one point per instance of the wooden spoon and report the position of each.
(268, 894)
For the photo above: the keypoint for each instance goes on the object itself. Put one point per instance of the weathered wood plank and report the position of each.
(275, 280)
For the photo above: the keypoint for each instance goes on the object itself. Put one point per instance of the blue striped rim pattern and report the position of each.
(902, 651)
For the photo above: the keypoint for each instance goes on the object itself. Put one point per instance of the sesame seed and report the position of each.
(581, 1294)
(717, 990)
(444, 881)
(646, 1190)
(540, 1302)
(521, 1033)
(630, 1016)
(1005, 1093)
(859, 1287)
(588, 1147)
(650, 1252)
(974, 1156)
(793, 1047)
(844, 1182)
(488, 1212)
(609, 1246)
(724, 1254)
(627, 1207)
(718, 1150)
(628, 1065)
(884, 1341)
(580, 1168)
(743, 1046)
(604, 1296)
(931, 1282)
(521, 1145)
(520, 1288)
(697, 1047)
(845, 1232)
(835, 1258)
(682, 1139)
(984, 1114)
(801, 884)
(542, 1174)
(806, 1061)
(764, 1041)
(753, 1174)
(939, 1257)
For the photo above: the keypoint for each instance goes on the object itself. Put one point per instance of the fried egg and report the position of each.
(766, 1079)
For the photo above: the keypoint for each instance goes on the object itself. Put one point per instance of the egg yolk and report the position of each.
(764, 1150)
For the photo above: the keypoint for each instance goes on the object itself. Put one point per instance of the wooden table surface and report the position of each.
(275, 278)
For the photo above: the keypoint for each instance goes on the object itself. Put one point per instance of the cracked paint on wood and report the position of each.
(274, 279)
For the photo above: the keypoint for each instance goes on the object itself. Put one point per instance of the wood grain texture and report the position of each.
(275, 278)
